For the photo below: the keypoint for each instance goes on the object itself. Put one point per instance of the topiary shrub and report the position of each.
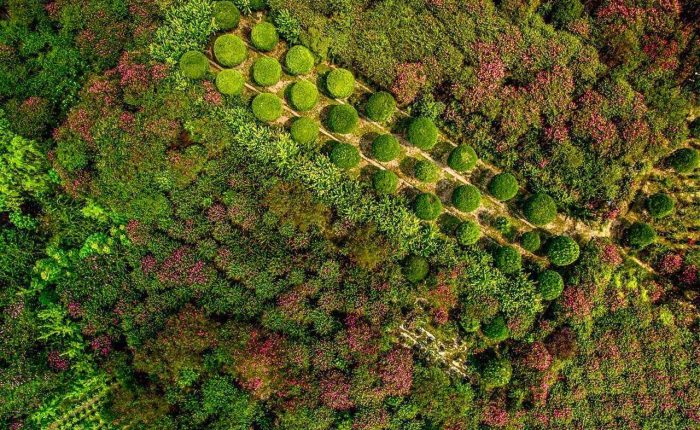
(340, 83)
(299, 60)
(385, 148)
(304, 130)
(342, 119)
(380, 106)
(562, 250)
(507, 259)
(345, 155)
(540, 209)
(423, 133)
(427, 206)
(426, 171)
(415, 268)
(230, 82)
(385, 181)
(266, 71)
(267, 107)
(684, 160)
(496, 330)
(503, 186)
(264, 36)
(466, 198)
(462, 158)
(468, 233)
(303, 95)
(496, 373)
(194, 65)
(566, 11)
(640, 235)
(226, 15)
(550, 284)
(531, 241)
(229, 50)
(660, 205)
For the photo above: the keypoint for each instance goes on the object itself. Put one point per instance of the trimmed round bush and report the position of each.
(230, 50)
(684, 160)
(496, 329)
(468, 233)
(540, 209)
(550, 284)
(299, 60)
(266, 71)
(426, 171)
(503, 186)
(415, 268)
(423, 133)
(427, 206)
(531, 241)
(340, 83)
(660, 205)
(380, 106)
(507, 259)
(466, 198)
(267, 107)
(304, 130)
(385, 181)
(303, 95)
(385, 147)
(342, 119)
(264, 36)
(226, 15)
(194, 65)
(497, 373)
(562, 250)
(462, 158)
(640, 235)
(344, 155)
(230, 82)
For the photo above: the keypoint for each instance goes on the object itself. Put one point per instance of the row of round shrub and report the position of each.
(230, 50)
(264, 36)
(385, 181)
(194, 65)
(304, 130)
(640, 235)
(342, 119)
(299, 60)
(344, 155)
(267, 107)
(503, 186)
(340, 83)
(462, 158)
(226, 15)
(426, 171)
(303, 95)
(380, 106)
(550, 284)
(422, 133)
(468, 233)
(540, 209)
(266, 71)
(427, 206)
(466, 198)
(230, 82)
(507, 259)
(684, 160)
(562, 250)
(660, 205)
(385, 148)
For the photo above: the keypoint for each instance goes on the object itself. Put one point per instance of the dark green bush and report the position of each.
(540, 209)
(503, 186)
(340, 83)
(566, 11)
(230, 50)
(468, 233)
(299, 60)
(496, 373)
(385, 181)
(466, 198)
(427, 206)
(462, 158)
(415, 268)
(640, 235)
(304, 130)
(230, 82)
(660, 205)
(342, 119)
(226, 15)
(345, 155)
(303, 95)
(562, 250)
(267, 107)
(423, 133)
(496, 330)
(694, 128)
(256, 5)
(531, 241)
(266, 71)
(194, 65)
(264, 36)
(426, 171)
(385, 148)
(507, 259)
(380, 106)
(684, 160)
(550, 284)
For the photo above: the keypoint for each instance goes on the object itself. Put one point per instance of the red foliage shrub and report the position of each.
(410, 79)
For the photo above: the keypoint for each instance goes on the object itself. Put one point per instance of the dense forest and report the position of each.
(349, 214)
